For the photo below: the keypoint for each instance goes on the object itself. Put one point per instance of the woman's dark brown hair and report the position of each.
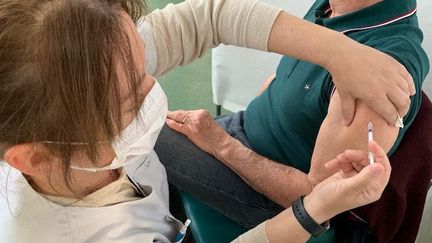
(57, 72)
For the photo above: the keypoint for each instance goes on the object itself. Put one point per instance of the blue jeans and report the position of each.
(209, 180)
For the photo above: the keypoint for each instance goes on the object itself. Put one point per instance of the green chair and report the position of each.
(210, 226)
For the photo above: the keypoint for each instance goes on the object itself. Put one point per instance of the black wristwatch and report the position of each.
(308, 223)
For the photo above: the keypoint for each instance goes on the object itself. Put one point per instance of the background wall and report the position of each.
(188, 87)
(425, 20)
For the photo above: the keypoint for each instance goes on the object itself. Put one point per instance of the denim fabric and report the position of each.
(209, 180)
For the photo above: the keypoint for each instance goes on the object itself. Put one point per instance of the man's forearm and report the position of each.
(279, 182)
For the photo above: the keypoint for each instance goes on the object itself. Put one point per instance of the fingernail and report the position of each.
(376, 171)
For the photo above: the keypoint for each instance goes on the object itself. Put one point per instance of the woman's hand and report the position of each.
(200, 128)
(358, 71)
(356, 184)
(361, 72)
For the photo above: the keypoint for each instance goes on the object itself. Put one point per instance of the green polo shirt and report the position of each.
(283, 123)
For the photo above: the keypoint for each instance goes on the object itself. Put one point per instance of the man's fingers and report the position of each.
(176, 126)
(178, 115)
(348, 108)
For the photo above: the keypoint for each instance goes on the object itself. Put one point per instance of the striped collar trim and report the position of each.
(380, 14)
(406, 15)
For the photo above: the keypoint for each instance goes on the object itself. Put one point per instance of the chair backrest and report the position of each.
(424, 11)
(238, 73)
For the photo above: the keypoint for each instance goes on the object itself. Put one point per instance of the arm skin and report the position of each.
(335, 137)
(281, 183)
(342, 191)
(355, 185)
(378, 73)
(358, 71)
(345, 60)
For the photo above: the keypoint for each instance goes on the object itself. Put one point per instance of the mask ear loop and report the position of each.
(76, 144)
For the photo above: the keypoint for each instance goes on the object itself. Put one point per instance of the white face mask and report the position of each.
(137, 140)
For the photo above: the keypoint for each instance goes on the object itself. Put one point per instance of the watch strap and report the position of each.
(306, 221)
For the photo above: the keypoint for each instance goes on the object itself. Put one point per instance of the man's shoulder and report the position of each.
(403, 43)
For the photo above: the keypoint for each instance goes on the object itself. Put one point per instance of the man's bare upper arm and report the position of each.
(334, 137)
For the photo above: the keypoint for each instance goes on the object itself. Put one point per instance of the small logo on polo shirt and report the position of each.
(307, 87)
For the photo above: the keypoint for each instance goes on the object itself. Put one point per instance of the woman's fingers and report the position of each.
(340, 163)
(380, 155)
(369, 179)
(349, 160)
(401, 100)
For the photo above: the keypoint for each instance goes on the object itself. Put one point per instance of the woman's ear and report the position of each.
(28, 158)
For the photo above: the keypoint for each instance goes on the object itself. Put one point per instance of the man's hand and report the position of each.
(356, 184)
(283, 186)
(361, 72)
(200, 128)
